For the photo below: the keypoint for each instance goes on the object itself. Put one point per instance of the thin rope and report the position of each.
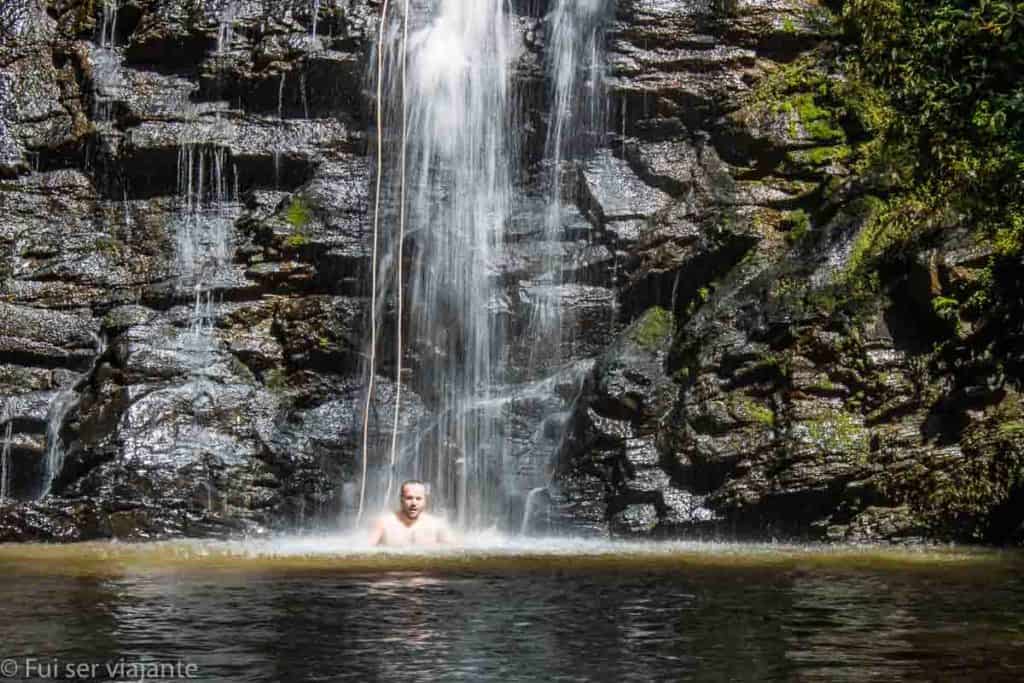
(401, 240)
(373, 268)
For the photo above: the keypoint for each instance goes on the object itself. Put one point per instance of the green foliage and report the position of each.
(946, 308)
(950, 72)
(298, 215)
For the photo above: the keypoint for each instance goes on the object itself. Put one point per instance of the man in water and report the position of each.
(411, 525)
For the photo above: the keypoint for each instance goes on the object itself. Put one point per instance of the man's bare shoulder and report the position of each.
(386, 520)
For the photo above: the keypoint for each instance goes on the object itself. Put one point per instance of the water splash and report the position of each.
(528, 507)
(226, 26)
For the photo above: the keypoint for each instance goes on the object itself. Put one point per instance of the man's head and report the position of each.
(413, 498)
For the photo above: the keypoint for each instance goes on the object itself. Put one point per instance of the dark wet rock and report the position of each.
(614, 435)
(322, 229)
(321, 332)
(47, 338)
(259, 154)
(123, 317)
(614, 192)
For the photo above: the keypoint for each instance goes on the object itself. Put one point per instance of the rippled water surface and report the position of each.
(325, 609)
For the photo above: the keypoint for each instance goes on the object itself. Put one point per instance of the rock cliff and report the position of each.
(185, 194)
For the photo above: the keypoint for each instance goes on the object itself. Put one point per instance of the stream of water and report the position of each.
(449, 185)
(323, 608)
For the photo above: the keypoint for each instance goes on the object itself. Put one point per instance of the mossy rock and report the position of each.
(835, 432)
(653, 329)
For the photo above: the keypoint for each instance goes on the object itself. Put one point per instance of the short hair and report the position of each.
(411, 482)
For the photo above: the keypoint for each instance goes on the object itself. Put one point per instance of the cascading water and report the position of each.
(203, 229)
(205, 211)
(66, 400)
(574, 66)
(448, 145)
(107, 76)
(5, 455)
(456, 201)
(315, 18)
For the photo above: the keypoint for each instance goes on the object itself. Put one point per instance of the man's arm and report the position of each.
(377, 535)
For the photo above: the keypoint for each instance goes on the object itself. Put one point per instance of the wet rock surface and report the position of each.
(186, 202)
(185, 198)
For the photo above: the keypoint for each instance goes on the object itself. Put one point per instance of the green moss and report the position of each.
(797, 225)
(276, 379)
(85, 17)
(298, 214)
(296, 241)
(803, 110)
(653, 328)
(837, 431)
(751, 411)
(1013, 429)
(823, 384)
(816, 121)
(945, 308)
(821, 156)
(110, 246)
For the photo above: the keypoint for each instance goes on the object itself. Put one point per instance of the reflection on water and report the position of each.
(605, 613)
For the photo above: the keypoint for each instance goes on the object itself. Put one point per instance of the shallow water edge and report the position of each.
(349, 554)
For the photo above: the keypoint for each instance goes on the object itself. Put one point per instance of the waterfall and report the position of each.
(574, 65)
(448, 128)
(5, 455)
(108, 80)
(226, 26)
(455, 108)
(316, 16)
(108, 25)
(66, 400)
(528, 505)
(203, 230)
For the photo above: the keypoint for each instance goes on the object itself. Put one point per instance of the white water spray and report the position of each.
(452, 63)
(446, 137)
(5, 455)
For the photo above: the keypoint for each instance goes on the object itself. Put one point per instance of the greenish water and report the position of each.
(326, 609)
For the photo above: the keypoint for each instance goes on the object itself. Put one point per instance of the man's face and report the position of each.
(414, 499)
